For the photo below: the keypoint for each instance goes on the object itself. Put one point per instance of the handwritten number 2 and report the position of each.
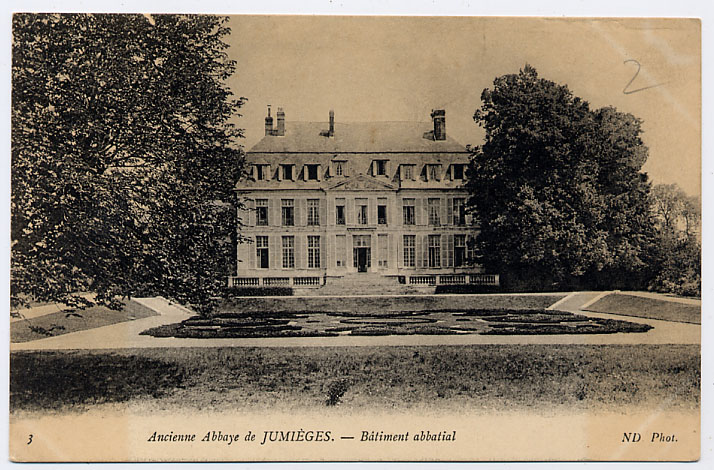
(30, 440)
(629, 92)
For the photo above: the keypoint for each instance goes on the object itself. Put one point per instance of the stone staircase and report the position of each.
(365, 284)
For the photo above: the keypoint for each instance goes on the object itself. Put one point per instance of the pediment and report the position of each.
(361, 183)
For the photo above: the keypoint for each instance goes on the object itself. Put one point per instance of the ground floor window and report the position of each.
(340, 248)
(409, 251)
(261, 252)
(434, 251)
(313, 251)
(382, 242)
(288, 252)
(459, 250)
(362, 252)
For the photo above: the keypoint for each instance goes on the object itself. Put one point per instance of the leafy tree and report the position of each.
(677, 266)
(123, 157)
(557, 187)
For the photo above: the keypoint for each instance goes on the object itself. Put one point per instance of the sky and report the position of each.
(400, 68)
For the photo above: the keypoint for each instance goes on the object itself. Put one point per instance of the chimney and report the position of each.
(268, 123)
(331, 132)
(281, 122)
(439, 117)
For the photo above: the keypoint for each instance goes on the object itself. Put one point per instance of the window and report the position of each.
(459, 206)
(362, 243)
(261, 172)
(408, 209)
(287, 172)
(459, 250)
(382, 246)
(434, 251)
(361, 205)
(407, 172)
(432, 172)
(409, 251)
(340, 211)
(458, 171)
(340, 248)
(471, 251)
(313, 251)
(261, 212)
(288, 206)
(382, 211)
(434, 205)
(288, 252)
(312, 172)
(313, 212)
(261, 252)
(338, 169)
(380, 167)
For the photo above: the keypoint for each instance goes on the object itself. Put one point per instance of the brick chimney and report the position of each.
(281, 122)
(439, 118)
(268, 123)
(331, 132)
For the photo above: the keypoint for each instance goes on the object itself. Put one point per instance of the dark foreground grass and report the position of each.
(635, 306)
(479, 377)
(61, 323)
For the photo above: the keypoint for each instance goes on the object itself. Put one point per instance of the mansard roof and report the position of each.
(357, 137)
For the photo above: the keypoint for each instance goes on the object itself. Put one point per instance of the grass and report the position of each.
(491, 377)
(643, 307)
(60, 323)
(498, 321)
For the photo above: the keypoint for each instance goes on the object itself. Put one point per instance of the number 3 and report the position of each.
(30, 441)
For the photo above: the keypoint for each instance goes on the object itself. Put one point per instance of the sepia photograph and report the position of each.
(288, 238)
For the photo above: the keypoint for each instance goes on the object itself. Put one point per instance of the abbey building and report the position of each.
(330, 200)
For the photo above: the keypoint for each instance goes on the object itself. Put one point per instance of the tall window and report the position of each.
(408, 209)
(288, 207)
(459, 207)
(382, 210)
(261, 212)
(361, 206)
(340, 249)
(409, 251)
(459, 250)
(313, 251)
(340, 211)
(434, 205)
(261, 252)
(288, 252)
(382, 246)
(434, 251)
(313, 212)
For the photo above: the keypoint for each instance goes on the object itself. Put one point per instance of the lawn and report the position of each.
(61, 323)
(479, 377)
(635, 306)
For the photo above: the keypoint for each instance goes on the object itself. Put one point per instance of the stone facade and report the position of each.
(326, 200)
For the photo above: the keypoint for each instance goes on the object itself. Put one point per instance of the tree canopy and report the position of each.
(557, 188)
(124, 158)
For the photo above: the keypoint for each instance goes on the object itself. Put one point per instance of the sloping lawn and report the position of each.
(643, 307)
(490, 377)
(61, 323)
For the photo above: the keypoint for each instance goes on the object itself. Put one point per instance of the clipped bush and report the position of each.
(258, 291)
(467, 289)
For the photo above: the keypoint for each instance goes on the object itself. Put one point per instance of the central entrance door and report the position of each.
(361, 260)
(362, 253)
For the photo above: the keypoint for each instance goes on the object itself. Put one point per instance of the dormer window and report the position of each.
(457, 171)
(287, 171)
(261, 172)
(407, 172)
(379, 168)
(312, 172)
(433, 172)
(338, 168)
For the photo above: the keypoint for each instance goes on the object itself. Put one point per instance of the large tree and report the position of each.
(557, 187)
(123, 157)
